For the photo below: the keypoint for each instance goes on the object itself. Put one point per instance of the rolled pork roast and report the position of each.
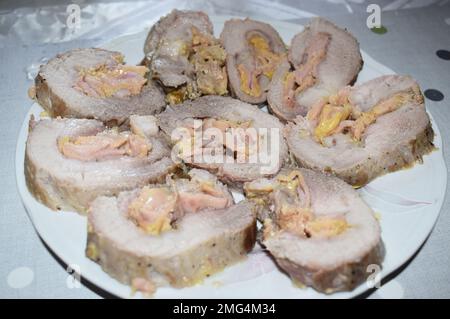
(69, 162)
(183, 55)
(322, 59)
(248, 142)
(96, 84)
(254, 50)
(174, 234)
(364, 131)
(318, 229)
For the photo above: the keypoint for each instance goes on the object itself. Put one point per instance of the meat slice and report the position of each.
(69, 162)
(232, 139)
(196, 245)
(387, 129)
(94, 83)
(318, 229)
(183, 55)
(322, 59)
(254, 50)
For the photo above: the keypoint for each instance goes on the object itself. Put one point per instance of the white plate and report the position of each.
(408, 203)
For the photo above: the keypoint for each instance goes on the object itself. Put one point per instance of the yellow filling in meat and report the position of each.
(152, 209)
(265, 63)
(243, 143)
(335, 114)
(207, 57)
(330, 118)
(305, 76)
(103, 146)
(291, 207)
(111, 81)
(156, 209)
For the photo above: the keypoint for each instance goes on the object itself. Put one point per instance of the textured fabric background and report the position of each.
(31, 31)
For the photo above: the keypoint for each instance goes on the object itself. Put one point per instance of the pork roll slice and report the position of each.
(365, 131)
(318, 229)
(174, 234)
(183, 55)
(235, 140)
(69, 162)
(322, 59)
(254, 50)
(96, 84)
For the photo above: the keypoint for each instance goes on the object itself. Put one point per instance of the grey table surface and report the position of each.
(416, 30)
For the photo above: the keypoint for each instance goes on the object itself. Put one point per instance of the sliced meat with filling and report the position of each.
(233, 139)
(175, 234)
(322, 59)
(69, 162)
(364, 131)
(318, 229)
(95, 83)
(182, 53)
